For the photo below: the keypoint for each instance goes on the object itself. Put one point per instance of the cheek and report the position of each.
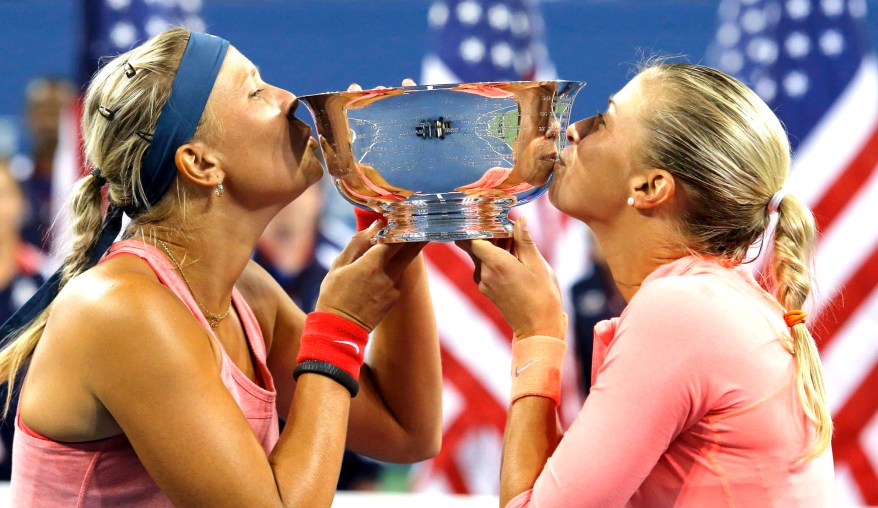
(554, 189)
(562, 192)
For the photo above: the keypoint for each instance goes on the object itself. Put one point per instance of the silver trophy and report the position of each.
(443, 162)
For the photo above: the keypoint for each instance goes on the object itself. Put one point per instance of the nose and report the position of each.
(579, 130)
(287, 101)
(554, 130)
(572, 133)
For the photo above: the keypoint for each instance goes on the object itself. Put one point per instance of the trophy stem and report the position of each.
(438, 218)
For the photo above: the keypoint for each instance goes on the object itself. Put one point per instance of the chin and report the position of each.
(556, 198)
(553, 193)
(539, 173)
(316, 175)
(312, 169)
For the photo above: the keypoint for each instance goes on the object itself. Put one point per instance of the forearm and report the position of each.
(307, 459)
(404, 371)
(531, 436)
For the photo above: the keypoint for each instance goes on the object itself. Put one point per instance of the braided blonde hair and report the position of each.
(120, 111)
(731, 155)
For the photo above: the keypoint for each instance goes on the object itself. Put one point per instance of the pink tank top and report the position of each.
(107, 472)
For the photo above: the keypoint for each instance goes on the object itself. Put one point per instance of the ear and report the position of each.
(197, 164)
(652, 188)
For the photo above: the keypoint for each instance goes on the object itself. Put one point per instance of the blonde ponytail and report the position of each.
(85, 206)
(17, 352)
(790, 273)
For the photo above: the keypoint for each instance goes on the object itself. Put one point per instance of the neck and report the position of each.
(634, 247)
(214, 253)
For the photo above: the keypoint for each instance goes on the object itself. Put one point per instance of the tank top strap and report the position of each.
(251, 327)
(170, 277)
(254, 336)
(164, 270)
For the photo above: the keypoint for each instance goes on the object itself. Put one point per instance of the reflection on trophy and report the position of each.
(443, 162)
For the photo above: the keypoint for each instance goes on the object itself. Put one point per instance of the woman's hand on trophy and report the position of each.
(363, 282)
(520, 283)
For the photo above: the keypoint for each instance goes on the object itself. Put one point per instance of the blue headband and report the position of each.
(179, 118)
(176, 125)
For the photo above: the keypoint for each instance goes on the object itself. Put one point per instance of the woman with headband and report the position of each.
(157, 376)
(707, 390)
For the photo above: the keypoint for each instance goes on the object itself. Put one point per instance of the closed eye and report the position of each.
(256, 93)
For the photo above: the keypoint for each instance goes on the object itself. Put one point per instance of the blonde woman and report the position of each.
(157, 376)
(707, 390)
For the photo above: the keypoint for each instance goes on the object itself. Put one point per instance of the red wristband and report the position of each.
(365, 218)
(333, 339)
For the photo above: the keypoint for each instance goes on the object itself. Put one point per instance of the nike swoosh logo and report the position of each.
(351, 344)
(519, 370)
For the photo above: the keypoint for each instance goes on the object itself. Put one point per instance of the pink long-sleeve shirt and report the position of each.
(693, 403)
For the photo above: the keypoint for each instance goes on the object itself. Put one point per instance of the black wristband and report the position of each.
(329, 370)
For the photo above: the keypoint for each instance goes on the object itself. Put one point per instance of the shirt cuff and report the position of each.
(520, 501)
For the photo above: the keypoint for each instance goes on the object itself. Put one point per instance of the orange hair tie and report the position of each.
(795, 317)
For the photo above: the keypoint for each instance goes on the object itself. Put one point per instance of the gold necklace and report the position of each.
(212, 319)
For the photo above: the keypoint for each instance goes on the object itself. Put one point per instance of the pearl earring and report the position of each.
(630, 201)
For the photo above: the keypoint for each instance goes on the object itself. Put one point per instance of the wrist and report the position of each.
(334, 347)
(549, 327)
(319, 307)
(536, 367)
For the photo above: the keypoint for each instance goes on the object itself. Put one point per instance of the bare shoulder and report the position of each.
(121, 291)
(121, 308)
(112, 328)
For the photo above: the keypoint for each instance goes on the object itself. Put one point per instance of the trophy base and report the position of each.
(446, 218)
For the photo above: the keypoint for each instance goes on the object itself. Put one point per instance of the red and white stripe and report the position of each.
(835, 172)
(477, 355)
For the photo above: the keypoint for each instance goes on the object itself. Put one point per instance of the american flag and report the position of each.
(810, 61)
(473, 41)
(110, 27)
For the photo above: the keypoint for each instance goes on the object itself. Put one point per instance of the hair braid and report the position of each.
(790, 265)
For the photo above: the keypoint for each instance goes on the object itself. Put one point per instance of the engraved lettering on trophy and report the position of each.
(429, 129)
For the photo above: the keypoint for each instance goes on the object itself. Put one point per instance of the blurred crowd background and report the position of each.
(811, 60)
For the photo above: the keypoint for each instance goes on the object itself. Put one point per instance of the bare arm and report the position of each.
(522, 286)
(531, 436)
(398, 415)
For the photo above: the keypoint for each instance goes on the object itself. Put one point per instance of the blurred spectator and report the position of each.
(289, 248)
(19, 279)
(47, 98)
(297, 253)
(595, 298)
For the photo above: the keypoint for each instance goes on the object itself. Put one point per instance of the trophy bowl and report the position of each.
(443, 162)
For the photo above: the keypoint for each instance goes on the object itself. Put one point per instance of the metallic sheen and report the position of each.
(443, 162)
